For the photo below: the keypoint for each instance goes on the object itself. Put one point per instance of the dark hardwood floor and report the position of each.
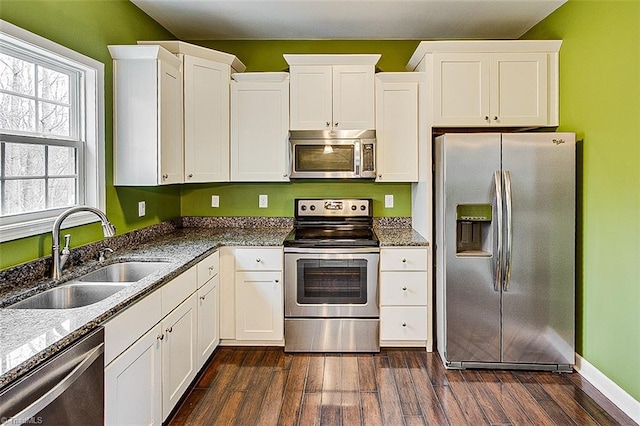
(265, 386)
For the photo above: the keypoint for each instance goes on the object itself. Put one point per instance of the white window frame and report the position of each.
(93, 185)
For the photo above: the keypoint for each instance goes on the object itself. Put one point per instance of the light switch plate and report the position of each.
(215, 201)
(263, 201)
(142, 208)
(388, 201)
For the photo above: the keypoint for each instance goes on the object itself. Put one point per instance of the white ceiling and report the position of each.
(347, 19)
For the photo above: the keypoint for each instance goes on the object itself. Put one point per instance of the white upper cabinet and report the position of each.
(259, 127)
(398, 130)
(491, 83)
(147, 132)
(207, 75)
(332, 91)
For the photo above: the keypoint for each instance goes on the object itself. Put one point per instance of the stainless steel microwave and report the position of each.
(339, 154)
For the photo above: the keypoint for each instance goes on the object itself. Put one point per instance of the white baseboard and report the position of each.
(609, 388)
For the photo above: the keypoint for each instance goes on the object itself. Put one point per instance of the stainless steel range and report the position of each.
(331, 278)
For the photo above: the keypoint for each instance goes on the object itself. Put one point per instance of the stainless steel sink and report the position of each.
(67, 296)
(123, 272)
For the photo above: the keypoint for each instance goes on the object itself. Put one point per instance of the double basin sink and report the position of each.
(91, 287)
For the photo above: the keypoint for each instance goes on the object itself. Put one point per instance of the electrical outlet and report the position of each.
(215, 201)
(263, 201)
(388, 201)
(142, 209)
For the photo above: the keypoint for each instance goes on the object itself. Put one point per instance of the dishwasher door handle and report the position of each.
(59, 388)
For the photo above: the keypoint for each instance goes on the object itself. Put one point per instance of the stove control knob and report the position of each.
(363, 207)
(303, 208)
(353, 207)
(312, 208)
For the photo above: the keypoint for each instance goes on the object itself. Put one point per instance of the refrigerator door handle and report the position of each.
(509, 237)
(497, 279)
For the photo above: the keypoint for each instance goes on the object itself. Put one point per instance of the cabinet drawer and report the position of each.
(403, 288)
(208, 268)
(127, 327)
(177, 290)
(259, 259)
(404, 259)
(403, 323)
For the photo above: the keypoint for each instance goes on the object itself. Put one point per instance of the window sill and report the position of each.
(43, 226)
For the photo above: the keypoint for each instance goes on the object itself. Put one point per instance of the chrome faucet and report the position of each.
(58, 261)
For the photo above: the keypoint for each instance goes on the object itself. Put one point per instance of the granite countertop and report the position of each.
(29, 336)
(405, 236)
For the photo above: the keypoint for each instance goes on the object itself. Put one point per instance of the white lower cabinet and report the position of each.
(179, 353)
(208, 319)
(405, 297)
(133, 388)
(155, 348)
(254, 306)
(259, 306)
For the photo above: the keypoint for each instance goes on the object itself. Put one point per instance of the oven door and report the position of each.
(331, 283)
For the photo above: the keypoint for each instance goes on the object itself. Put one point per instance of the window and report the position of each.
(51, 133)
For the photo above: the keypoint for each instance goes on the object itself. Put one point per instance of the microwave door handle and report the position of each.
(357, 156)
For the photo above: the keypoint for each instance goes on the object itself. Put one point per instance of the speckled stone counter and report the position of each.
(28, 336)
(397, 231)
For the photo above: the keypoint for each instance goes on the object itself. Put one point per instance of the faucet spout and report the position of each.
(107, 228)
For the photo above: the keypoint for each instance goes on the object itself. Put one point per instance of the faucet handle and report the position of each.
(103, 253)
(67, 240)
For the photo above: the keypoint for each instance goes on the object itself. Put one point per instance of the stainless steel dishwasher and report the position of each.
(66, 390)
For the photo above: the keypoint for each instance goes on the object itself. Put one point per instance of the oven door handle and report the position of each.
(341, 250)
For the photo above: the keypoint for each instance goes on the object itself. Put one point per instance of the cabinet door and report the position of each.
(170, 100)
(519, 89)
(311, 97)
(259, 122)
(397, 124)
(179, 353)
(353, 97)
(259, 306)
(132, 384)
(206, 120)
(461, 89)
(208, 322)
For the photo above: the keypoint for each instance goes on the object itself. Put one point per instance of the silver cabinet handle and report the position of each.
(404, 260)
(277, 281)
(495, 118)
(203, 297)
(258, 260)
(404, 324)
(210, 268)
(165, 176)
(404, 288)
(486, 118)
(169, 330)
(190, 176)
(160, 336)
(328, 123)
(336, 124)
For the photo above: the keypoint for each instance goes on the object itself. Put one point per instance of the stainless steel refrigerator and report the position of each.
(505, 250)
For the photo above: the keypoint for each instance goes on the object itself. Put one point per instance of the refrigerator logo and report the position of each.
(558, 141)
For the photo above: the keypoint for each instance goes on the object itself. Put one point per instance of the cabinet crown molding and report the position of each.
(347, 59)
(143, 52)
(482, 46)
(273, 77)
(177, 47)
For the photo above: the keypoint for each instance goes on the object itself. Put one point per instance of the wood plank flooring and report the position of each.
(265, 386)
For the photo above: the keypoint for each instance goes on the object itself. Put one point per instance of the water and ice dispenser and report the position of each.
(473, 230)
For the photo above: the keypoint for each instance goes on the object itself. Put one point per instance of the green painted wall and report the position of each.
(241, 199)
(600, 100)
(88, 27)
